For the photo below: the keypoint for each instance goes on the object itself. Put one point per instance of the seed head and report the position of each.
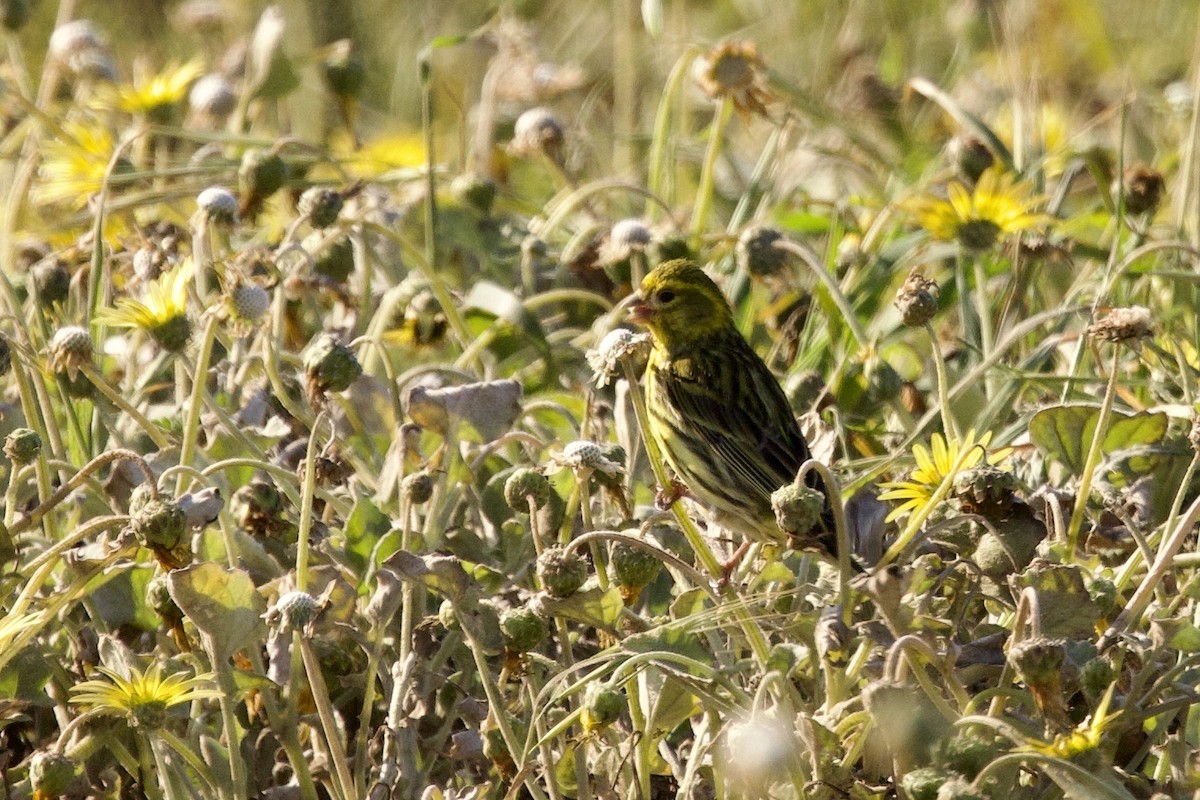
(70, 349)
(294, 611)
(330, 366)
(561, 572)
(632, 569)
(757, 253)
(538, 130)
(917, 299)
(523, 630)
(1143, 188)
(617, 344)
(970, 156)
(797, 508)
(212, 98)
(217, 204)
(321, 205)
(584, 456)
(627, 237)
(735, 70)
(22, 446)
(417, 487)
(248, 301)
(523, 485)
(1123, 325)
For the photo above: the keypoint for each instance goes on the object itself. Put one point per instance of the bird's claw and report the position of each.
(668, 495)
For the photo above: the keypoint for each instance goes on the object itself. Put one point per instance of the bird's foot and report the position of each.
(668, 495)
(728, 568)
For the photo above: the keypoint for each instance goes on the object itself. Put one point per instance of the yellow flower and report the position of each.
(144, 697)
(935, 466)
(157, 96)
(73, 166)
(1051, 135)
(998, 206)
(162, 311)
(1083, 738)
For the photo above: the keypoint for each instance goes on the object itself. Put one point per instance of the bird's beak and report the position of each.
(639, 310)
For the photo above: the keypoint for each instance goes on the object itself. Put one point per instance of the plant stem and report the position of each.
(704, 192)
(1093, 458)
(307, 490)
(943, 383)
(191, 426)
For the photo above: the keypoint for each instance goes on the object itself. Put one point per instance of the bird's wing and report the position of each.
(732, 400)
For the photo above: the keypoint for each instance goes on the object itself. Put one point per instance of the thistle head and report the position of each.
(678, 302)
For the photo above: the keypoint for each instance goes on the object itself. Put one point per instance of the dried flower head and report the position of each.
(617, 344)
(212, 99)
(626, 237)
(217, 204)
(917, 299)
(69, 350)
(758, 253)
(734, 70)
(584, 457)
(1123, 325)
(83, 49)
(1143, 189)
(538, 130)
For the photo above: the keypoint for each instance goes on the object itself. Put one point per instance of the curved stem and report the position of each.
(191, 426)
(1093, 458)
(704, 192)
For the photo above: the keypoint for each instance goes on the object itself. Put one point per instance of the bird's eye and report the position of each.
(666, 296)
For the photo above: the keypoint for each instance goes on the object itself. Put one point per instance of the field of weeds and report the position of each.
(326, 468)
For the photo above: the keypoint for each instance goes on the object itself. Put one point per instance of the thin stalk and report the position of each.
(1093, 458)
(153, 431)
(344, 781)
(704, 192)
(229, 722)
(191, 426)
(831, 285)
(307, 490)
(943, 383)
(987, 334)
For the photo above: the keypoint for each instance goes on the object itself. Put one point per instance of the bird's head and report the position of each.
(679, 303)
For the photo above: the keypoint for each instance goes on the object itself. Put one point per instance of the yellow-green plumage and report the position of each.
(717, 413)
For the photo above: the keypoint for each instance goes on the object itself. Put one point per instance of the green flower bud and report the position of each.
(344, 72)
(474, 191)
(14, 14)
(5, 356)
(160, 525)
(1095, 677)
(560, 572)
(52, 282)
(797, 509)
(418, 487)
(986, 490)
(335, 261)
(321, 205)
(958, 789)
(261, 173)
(526, 484)
(293, 611)
(523, 630)
(22, 446)
(968, 755)
(971, 157)
(50, 773)
(258, 508)
(448, 616)
(1039, 660)
(757, 253)
(924, 783)
(602, 705)
(158, 597)
(632, 569)
(331, 365)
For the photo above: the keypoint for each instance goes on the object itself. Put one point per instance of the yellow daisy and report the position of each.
(941, 462)
(155, 97)
(74, 164)
(162, 311)
(144, 697)
(998, 206)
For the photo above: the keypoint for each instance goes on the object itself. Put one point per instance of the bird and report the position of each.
(718, 415)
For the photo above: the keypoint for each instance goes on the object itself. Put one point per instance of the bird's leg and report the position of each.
(732, 564)
(667, 495)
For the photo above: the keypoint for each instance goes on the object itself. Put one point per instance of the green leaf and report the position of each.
(1065, 432)
(223, 603)
(592, 606)
(365, 526)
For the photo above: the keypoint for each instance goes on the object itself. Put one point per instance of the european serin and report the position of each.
(718, 415)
